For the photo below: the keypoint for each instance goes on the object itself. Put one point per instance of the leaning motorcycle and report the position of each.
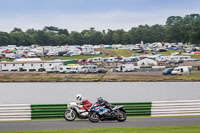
(74, 110)
(100, 113)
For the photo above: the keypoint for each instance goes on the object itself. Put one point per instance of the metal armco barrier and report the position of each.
(175, 108)
(137, 109)
(48, 111)
(56, 111)
(15, 112)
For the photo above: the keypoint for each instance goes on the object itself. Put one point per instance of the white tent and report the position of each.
(28, 60)
(147, 62)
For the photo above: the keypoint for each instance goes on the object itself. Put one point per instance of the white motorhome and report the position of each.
(31, 65)
(91, 68)
(182, 70)
(60, 69)
(125, 68)
(10, 55)
(73, 68)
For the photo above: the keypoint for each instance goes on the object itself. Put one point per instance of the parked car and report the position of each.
(100, 70)
(179, 61)
(140, 51)
(61, 53)
(162, 50)
(168, 71)
(69, 54)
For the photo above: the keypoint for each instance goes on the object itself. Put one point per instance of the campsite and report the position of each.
(99, 60)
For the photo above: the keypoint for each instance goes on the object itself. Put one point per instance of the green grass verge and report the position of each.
(72, 57)
(26, 77)
(117, 52)
(191, 77)
(172, 129)
(196, 57)
(47, 58)
(6, 59)
(169, 52)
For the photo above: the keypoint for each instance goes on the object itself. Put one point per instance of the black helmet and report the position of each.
(100, 100)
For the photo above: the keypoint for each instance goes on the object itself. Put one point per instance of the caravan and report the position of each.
(125, 68)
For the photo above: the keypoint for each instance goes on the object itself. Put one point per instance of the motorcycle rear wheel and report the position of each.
(122, 116)
(93, 117)
(70, 115)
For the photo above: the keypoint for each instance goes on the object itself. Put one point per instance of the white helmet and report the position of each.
(79, 97)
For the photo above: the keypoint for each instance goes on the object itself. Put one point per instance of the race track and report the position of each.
(79, 124)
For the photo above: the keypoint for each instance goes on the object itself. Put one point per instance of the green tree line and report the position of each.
(177, 29)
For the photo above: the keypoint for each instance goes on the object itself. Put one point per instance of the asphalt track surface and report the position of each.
(81, 124)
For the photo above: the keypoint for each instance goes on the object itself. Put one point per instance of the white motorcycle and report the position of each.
(75, 110)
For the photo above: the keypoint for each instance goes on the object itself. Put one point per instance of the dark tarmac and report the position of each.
(81, 124)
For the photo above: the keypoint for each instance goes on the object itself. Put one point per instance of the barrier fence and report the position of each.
(56, 111)
(175, 108)
(137, 109)
(48, 111)
(15, 112)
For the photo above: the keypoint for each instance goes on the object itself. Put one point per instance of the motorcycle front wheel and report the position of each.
(121, 116)
(70, 115)
(93, 117)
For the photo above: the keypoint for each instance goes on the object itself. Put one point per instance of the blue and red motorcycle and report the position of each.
(101, 113)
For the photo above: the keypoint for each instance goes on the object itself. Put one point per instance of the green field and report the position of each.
(169, 52)
(196, 57)
(117, 52)
(172, 129)
(72, 57)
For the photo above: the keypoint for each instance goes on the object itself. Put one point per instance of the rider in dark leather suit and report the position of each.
(102, 102)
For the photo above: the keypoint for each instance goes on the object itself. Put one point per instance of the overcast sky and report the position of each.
(76, 15)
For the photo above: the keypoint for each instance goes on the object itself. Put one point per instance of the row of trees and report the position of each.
(177, 29)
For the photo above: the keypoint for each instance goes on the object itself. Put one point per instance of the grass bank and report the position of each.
(117, 52)
(52, 77)
(172, 129)
(72, 57)
(196, 57)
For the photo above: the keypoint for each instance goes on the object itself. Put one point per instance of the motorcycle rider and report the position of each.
(102, 102)
(83, 101)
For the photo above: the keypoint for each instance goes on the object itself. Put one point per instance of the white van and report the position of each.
(125, 68)
(72, 69)
(81, 69)
(183, 70)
